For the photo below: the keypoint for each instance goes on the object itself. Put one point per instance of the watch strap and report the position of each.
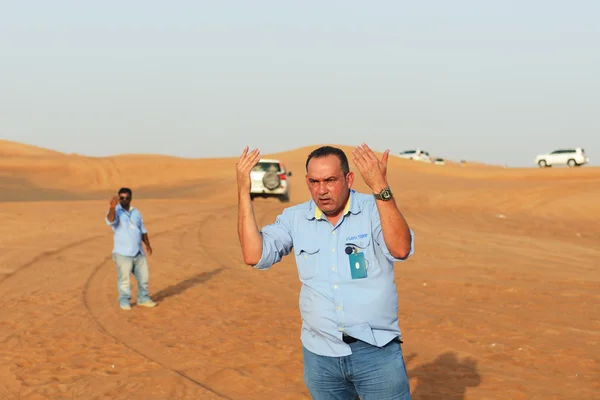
(385, 194)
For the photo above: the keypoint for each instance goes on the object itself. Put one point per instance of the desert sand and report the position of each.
(501, 299)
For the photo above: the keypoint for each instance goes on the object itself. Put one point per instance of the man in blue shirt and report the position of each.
(129, 233)
(345, 244)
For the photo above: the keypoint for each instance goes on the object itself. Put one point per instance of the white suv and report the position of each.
(269, 179)
(417, 155)
(571, 157)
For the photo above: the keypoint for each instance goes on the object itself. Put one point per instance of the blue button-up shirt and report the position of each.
(331, 302)
(128, 228)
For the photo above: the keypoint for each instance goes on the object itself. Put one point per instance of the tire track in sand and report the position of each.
(48, 253)
(103, 316)
(69, 246)
(46, 256)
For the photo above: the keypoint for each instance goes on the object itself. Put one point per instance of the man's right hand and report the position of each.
(244, 165)
(114, 201)
(248, 232)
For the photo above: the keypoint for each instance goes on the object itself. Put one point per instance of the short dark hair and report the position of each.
(125, 190)
(324, 151)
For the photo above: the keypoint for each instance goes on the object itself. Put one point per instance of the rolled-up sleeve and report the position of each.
(379, 239)
(277, 241)
(114, 223)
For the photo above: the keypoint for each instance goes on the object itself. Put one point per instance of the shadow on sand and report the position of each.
(186, 284)
(446, 377)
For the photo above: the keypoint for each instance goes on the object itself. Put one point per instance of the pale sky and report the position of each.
(491, 81)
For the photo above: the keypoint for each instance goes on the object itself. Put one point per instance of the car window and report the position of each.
(266, 167)
(409, 152)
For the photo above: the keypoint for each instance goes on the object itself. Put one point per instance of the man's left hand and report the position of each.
(149, 250)
(372, 170)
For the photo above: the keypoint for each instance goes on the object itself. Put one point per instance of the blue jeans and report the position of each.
(125, 266)
(373, 373)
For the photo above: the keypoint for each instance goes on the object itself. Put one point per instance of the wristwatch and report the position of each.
(385, 194)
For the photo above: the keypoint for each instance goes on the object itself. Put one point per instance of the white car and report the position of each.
(417, 155)
(573, 157)
(269, 179)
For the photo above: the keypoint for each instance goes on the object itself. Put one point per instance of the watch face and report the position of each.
(386, 194)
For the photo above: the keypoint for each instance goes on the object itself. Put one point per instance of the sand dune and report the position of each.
(501, 299)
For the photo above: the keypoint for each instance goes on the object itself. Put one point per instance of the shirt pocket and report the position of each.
(307, 260)
(365, 246)
(362, 244)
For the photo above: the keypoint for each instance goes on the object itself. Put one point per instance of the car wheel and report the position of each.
(542, 163)
(271, 180)
(571, 163)
(284, 198)
(251, 197)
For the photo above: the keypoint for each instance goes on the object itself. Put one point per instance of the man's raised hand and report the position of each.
(372, 170)
(114, 201)
(244, 165)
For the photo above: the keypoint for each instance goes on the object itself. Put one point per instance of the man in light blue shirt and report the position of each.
(129, 233)
(345, 244)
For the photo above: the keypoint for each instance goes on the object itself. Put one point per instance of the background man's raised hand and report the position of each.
(114, 201)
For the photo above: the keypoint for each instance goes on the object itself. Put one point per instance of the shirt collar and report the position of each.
(131, 208)
(352, 206)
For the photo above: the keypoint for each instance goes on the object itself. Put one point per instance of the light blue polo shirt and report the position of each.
(331, 302)
(128, 228)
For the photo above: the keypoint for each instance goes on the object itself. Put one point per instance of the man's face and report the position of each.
(327, 184)
(124, 199)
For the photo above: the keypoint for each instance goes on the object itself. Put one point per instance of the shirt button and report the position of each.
(335, 286)
(333, 268)
(339, 308)
(340, 329)
(333, 249)
(333, 233)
